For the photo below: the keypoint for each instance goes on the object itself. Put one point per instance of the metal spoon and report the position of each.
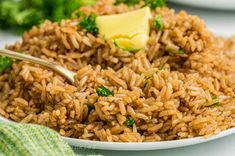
(69, 75)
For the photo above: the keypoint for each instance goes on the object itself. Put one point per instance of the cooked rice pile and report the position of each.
(169, 97)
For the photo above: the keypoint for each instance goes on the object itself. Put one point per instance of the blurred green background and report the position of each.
(21, 15)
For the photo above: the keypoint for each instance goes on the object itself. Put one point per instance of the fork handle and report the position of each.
(69, 75)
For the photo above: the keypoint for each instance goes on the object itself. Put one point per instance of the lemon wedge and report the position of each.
(129, 31)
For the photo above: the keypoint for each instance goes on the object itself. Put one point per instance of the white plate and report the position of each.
(139, 146)
(214, 4)
(224, 27)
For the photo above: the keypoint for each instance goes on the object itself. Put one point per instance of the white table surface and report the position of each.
(219, 22)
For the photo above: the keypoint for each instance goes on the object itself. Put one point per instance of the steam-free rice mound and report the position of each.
(156, 96)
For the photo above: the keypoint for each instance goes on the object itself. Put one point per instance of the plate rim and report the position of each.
(219, 4)
(143, 146)
(138, 146)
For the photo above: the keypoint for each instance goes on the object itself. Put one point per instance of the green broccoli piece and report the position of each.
(103, 91)
(5, 63)
(89, 24)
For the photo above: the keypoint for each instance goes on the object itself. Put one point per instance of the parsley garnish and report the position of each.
(217, 104)
(214, 97)
(103, 91)
(158, 23)
(89, 24)
(129, 122)
(5, 63)
(175, 52)
(153, 4)
(181, 51)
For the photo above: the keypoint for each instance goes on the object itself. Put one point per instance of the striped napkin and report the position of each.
(27, 140)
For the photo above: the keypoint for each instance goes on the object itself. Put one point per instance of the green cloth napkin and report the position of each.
(27, 140)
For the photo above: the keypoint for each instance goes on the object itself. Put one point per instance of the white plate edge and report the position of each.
(141, 146)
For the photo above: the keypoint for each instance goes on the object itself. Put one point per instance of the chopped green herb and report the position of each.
(128, 2)
(5, 63)
(162, 67)
(217, 104)
(215, 100)
(90, 107)
(129, 122)
(103, 91)
(181, 51)
(147, 80)
(77, 14)
(175, 52)
(88, 23)
(145, 84)
(158, 23)
(153, 4)
(214, 97)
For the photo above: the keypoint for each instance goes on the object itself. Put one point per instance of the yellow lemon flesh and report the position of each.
(129, 31)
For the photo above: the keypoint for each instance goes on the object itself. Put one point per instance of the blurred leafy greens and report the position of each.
(128, 2)
(153, 4)
(21, 15)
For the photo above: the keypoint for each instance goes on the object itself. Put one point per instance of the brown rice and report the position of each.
(169, 97)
